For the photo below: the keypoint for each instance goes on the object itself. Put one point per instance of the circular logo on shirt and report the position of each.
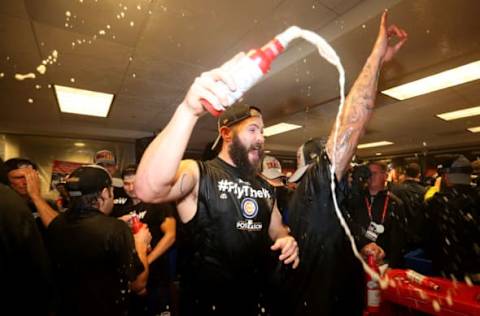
(249, 208)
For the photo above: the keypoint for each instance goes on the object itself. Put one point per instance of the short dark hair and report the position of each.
(129, 170)
(17, 163)
(412, 170)
(80, 204)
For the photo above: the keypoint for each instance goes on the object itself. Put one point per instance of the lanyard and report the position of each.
(385, 205)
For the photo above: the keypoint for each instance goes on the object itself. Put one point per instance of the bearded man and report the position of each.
(228, 209)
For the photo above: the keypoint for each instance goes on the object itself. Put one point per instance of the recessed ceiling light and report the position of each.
(83, 102)
(442, 80)
(279, 128)
(475, 129)
(79, 144)
(374, 144)
(454, 115)
(378, 154)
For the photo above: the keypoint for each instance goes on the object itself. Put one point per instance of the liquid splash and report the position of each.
(21, 77)
(41, 69)
(327, 52)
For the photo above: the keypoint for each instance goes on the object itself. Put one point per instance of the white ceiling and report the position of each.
(150, 65)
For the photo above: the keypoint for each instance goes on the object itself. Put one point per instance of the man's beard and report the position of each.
(239, 154)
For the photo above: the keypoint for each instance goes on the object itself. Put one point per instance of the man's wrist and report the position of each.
(376, 58)
(36, 198)
(185, 109)
(141, 246)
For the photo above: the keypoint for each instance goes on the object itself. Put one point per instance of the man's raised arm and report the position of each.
(361, 99)
(162, 175)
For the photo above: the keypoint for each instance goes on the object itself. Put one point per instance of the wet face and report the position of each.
(129, 187)
(376, 181)
(18, 182)
(246, 149)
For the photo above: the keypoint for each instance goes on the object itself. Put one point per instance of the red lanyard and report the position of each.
(385, 205)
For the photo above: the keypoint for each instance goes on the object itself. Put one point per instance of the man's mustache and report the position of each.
(256, 147)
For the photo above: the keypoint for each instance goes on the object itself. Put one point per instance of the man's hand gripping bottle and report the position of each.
(248, 71)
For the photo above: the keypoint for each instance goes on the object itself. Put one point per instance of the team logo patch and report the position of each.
(249, 208)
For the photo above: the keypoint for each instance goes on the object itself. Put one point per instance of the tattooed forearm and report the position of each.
(356, 113)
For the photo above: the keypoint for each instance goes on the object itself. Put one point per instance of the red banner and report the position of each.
(61, 169)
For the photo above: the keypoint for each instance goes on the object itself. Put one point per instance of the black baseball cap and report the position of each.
(87, 180)
(233, 115)
(459, 171)
(17, 163)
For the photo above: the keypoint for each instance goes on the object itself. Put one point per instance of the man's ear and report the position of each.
(226, 133)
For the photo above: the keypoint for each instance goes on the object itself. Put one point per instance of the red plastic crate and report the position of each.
(452, 299)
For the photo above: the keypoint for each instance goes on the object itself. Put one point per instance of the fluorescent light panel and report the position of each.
(454, 115)
(475, 129)
(83, 102)
(375, 144)
(279, 128)
(442, 80)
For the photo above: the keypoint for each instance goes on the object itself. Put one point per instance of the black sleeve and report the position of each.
(52, 204)
(158, 212)
(24, 263)
(428, 234)
(169, 209)
(128, 262)
(357, 230)
(311, 210)
(397, 235)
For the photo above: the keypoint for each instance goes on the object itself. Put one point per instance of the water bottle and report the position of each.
(135, 223)
(373, 288)
(248, 71)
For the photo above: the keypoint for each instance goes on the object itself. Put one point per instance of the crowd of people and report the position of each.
(238, 235)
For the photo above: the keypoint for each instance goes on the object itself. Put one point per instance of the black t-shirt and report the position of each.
(94, 258)
(283, 196)
(230, 241)
(153, 215)
(26, 285)
(329, 280)
(36, 216)
(452, 236)
(120, 199)
(412, 195)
